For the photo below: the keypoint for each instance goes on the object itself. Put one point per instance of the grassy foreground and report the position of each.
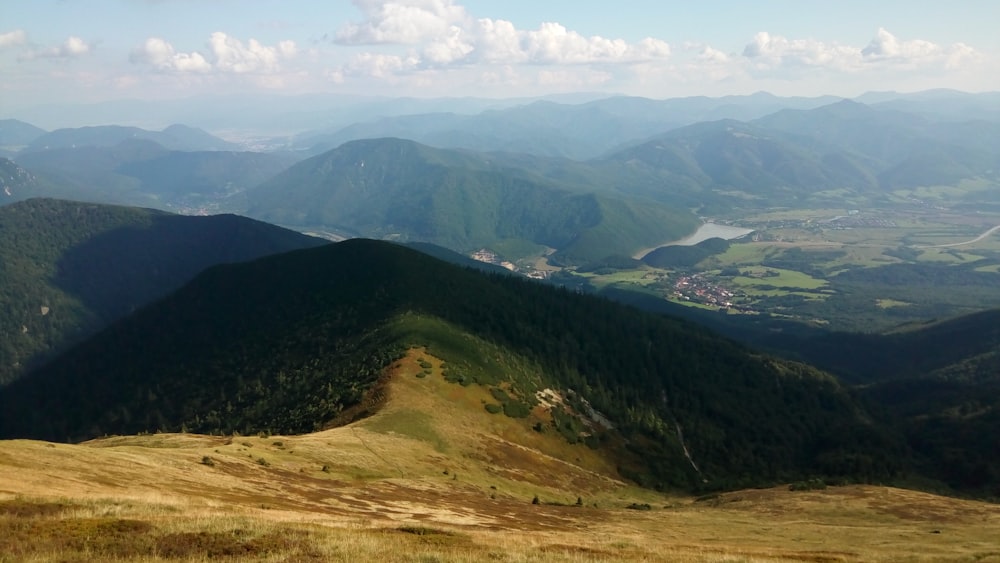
(432, 476)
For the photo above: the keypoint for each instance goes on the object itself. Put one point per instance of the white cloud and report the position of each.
(162, 56)
(498, 41)
(14, 38)
(224, 54)
(231, 55)
(443, 35)
(714, 56)
(72, 47)
(960, 54)
(885, 51)
(452, 47)
(768, 51)
(886, 46)
(401, 21)
(379, 65)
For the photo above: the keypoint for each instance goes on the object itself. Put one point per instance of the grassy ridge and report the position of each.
(286, 343)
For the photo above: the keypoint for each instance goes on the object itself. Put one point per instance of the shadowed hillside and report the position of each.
(71, 268)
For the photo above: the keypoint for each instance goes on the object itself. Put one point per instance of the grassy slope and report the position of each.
(412, 483)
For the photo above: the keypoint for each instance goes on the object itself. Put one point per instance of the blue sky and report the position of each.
(66, 51)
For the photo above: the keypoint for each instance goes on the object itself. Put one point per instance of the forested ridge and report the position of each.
(286, 343)
(70, 268)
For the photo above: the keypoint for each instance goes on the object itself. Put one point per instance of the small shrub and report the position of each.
(535, 500)
(207, 460)
(421, 375)
(493, 408)
(325, 469)
(810, 485)
(637, 506)
(499, 394)
(516, 409)
(262, 461)
(434, 535)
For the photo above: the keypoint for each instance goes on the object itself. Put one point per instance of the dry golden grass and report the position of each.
(433, 477)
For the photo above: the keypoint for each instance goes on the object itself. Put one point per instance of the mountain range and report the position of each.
(289, 343)
(139, 171)
(174, 137)
(298, 341)
(125, 320)
(392, 188)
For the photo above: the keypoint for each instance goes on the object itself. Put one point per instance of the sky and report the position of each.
(86, 51)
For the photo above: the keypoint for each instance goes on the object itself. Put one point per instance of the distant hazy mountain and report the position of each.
(71, 268)
(175, 137)
(787, 157)
(391, 188)
(142, 172)
(545, 128)
(16, 134)
(905, 150)
(940, 104)
(734, 163)
(263, 114)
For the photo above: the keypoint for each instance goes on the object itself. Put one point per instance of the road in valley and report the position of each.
(971, 241)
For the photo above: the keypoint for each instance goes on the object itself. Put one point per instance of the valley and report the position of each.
(789, 266)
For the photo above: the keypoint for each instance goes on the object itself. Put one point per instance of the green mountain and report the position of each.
(175, 137)
(905, 150)
(936, 383)
(142, 172)
(71, 268)
(401, 190)
(939, 383)
(289, 343)
(793, 156)
(735, 163)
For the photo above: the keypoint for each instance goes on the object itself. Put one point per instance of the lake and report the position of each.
(704, 232)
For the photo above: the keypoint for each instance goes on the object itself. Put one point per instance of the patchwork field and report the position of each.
(433, 476)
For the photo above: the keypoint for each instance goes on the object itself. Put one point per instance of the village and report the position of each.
(695, 288)
(490, 257)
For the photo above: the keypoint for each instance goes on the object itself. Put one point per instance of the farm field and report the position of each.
(840, 265)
